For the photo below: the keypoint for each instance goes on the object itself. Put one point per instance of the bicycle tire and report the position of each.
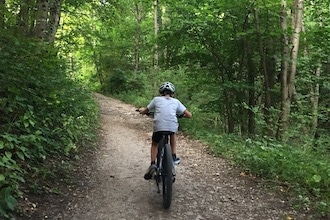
(167, 176)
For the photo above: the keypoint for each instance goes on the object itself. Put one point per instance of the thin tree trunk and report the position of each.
(251, 82)
(23, 18)
(156, 28)
(156, 56)
(268, 100)
(228, 102)
(138, 7)
(315, 94)
(315, 88)
(243, 126)
(283, 120)
(2, 14)
(229, 110)
(251, 69)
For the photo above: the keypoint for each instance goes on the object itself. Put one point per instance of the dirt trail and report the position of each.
(113, 187)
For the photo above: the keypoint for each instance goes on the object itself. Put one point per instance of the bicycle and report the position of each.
(165, 172)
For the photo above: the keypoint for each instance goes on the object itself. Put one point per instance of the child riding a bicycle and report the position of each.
(165, 108)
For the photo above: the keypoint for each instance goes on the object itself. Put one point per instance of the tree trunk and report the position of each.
(229, 110)
(156, 28)
(40, 30)
(138, 7)
(54, 19)
(23, 17)
(283, 120)
(315, 87)
(2, 14)
(299, 5)
(288, 75)
(251, 70)
(267, 87)
(315, 94)
(251, 81)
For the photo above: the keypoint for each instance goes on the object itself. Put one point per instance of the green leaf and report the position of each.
(11, 202)
(317, 178)
(32, 122)
(20, 155)
(2, 145)
(2, 177)
(8, 154)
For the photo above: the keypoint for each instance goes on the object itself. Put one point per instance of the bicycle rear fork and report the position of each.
(158, 177)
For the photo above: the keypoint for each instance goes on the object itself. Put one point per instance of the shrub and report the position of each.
(44, 113)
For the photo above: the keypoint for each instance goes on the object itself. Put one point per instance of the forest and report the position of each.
(255, 74)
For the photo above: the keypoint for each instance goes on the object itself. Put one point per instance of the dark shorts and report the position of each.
(156, 136)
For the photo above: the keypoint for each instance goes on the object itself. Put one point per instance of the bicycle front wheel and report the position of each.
(167, 176)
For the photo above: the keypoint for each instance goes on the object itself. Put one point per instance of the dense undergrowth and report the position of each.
(299, 171)
(295, 168)
(45, 117)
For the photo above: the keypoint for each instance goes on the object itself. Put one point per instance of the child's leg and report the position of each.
(173, 143)
(176, 160)
(152, 168)
(154, 150)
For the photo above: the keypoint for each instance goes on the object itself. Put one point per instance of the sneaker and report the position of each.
(150, 172)
(176, 160)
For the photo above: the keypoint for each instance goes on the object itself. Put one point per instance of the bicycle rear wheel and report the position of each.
(167, 176)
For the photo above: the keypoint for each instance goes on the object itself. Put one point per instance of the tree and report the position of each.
(40, 28)
(47, 19)
(156, 29)
(139, 17)
(54, 19)
(2, 14)
(289, 70)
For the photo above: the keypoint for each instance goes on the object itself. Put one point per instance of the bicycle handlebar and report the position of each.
(152, 113)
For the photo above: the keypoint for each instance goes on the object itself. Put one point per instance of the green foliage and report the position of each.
(304, 172)
(126, 85)
(7, 201)
(122, 81)
(45, 114)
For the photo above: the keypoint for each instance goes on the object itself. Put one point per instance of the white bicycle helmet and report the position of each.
(166, 86)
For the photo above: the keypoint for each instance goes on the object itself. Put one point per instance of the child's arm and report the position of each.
(144, 111)
(187, 114)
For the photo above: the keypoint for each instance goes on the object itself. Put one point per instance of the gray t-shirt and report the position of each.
(165, 109)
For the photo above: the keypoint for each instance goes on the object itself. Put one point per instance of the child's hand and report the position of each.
(143, 110)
